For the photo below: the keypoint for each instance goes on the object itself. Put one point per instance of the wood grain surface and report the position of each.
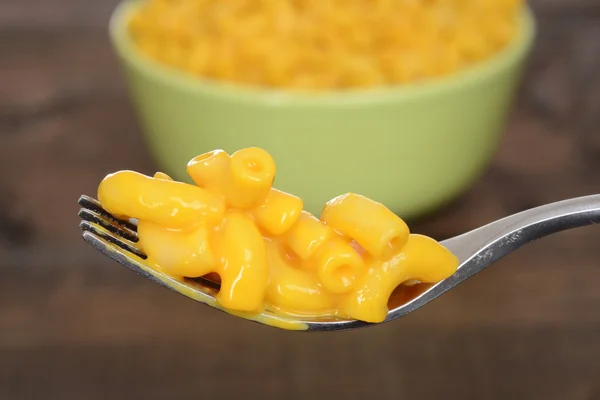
(76, 326)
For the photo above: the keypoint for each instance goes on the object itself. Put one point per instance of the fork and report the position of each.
(477, 249)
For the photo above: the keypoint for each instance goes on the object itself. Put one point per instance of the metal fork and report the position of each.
(476, 250)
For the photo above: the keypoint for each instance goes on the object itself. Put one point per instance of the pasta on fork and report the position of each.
(265, 249)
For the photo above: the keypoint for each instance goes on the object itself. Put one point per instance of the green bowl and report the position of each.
(411, 147)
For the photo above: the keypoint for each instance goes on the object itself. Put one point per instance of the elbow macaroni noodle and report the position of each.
(322, 44)
(264, 247)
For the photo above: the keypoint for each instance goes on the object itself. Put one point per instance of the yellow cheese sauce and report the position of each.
(263, 249)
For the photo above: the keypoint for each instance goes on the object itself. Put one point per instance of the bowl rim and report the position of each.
(125, 48)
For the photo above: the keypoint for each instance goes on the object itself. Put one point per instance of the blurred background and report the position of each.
(74, 325)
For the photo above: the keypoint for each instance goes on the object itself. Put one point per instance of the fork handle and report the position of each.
(491, 242)
(481, 247)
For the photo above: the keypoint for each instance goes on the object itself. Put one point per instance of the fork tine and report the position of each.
(107, 236)
(109, 225)
(198, 289)
(124, 233)
(124, 259)
(98, 239)
(93, 205)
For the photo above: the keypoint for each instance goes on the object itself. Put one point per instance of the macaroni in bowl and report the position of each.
(264, 248)
(323, 44)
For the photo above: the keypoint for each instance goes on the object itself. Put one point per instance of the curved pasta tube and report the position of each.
(339, 266)
(294, 289)
(278, 212)
(244, 179)
(427, 260)
(372, 225)
(179, 253)
(422, 258)
(210, 170)
(252, 174)
(171, 204)
(243, 270)
(307, 235)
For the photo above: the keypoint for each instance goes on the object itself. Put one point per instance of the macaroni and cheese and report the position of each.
(264, 248)
(323, 44)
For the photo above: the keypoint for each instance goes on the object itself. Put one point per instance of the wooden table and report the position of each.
(76, 326)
